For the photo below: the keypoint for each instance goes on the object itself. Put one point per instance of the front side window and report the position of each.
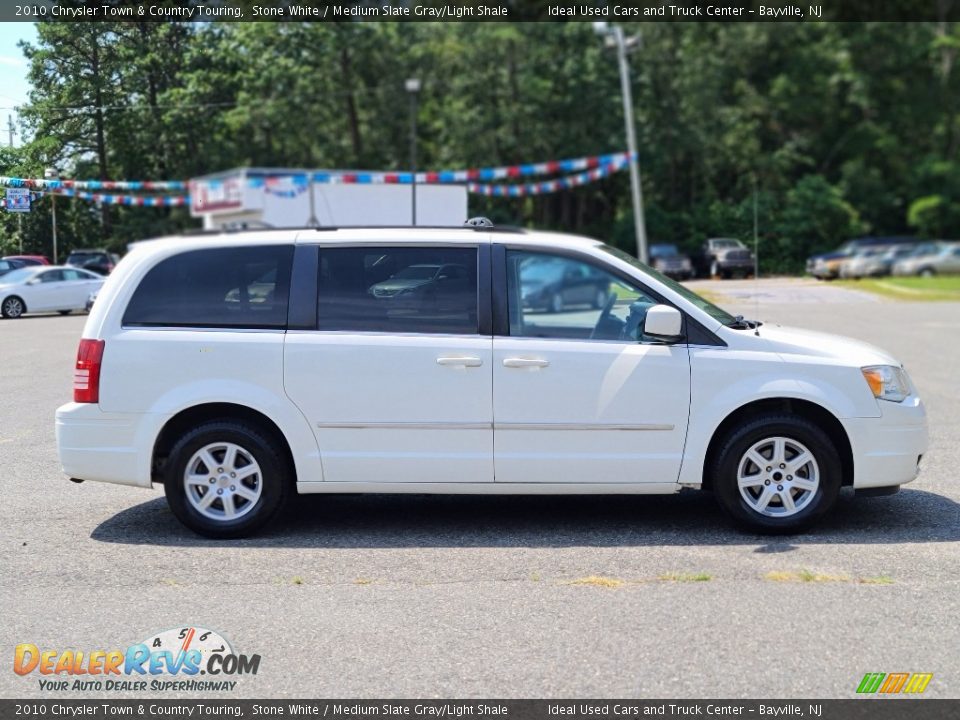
(398, 290)
(52, 276)
(552, 296)
(231, 287)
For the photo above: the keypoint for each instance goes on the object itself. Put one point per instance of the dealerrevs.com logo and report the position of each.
(173, 660)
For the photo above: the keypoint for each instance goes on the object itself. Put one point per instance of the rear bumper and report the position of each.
(887, 449)
(105, 447)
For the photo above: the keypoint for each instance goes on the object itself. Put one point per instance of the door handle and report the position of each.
(525, 363)
(460, 361)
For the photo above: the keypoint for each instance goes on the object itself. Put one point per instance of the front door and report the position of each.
(396, 382)
(580, 396)
(49, 292)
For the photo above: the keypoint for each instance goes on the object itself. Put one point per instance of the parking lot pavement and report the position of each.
(413, 596)
(781, 291)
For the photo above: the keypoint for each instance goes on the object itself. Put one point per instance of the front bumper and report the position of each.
(105, 447)
(887, 450)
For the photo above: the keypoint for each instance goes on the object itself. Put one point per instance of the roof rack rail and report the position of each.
(479, 223)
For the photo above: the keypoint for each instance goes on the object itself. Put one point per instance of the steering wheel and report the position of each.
(604, 315)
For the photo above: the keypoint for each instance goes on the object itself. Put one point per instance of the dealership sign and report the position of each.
(18, 200)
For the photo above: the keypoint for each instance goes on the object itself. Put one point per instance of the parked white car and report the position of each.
(46, 288)
(238, 369)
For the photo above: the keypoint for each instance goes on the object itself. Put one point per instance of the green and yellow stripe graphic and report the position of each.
(891, 683)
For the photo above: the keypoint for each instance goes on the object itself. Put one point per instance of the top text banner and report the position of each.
(477, 11)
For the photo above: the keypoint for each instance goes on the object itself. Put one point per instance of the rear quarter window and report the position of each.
(231, 287)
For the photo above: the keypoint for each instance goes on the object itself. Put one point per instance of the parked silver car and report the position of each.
(876, 262)
(943, 260)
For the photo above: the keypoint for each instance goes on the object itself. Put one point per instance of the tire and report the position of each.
(13, 307)
(927, 272)
(64, 312)
(714, 269)
(265, 489)
(600, 299)
(556, 303)
(813, 493)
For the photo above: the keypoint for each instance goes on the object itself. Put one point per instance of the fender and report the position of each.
(278, 408)
(721, 388)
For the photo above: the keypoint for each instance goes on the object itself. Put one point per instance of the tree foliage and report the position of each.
(841, 129)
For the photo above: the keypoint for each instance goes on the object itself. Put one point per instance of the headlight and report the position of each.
(887, 382)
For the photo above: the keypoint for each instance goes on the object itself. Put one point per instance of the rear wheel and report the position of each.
(927, 272)
(556, 303)
(13, 307)
(225, 480)
(599, 300)
(777, 474)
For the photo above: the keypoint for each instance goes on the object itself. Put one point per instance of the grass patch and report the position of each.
(363, 581)
(686, 577)
(940, 288)
(803, 576)
(878, 580)
(296, 580)
(598, 581)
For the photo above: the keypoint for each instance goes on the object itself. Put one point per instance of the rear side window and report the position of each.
(231, 287)
(398, 290)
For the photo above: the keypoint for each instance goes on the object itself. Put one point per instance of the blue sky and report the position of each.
(13, 69)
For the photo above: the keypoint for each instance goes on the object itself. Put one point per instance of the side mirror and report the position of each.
(663, 323)
(33, 281)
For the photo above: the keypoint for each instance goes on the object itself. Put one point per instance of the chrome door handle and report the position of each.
(460, 361)
(525, 363)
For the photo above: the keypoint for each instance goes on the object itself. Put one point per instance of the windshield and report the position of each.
(417, 272)
(726, 243)
(717, 313)
(18, 276)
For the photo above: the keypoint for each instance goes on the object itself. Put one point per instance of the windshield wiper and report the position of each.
(741, 323)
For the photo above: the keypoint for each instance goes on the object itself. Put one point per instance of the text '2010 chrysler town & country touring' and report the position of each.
(240, 369)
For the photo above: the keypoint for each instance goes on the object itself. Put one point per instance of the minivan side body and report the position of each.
(346, 381)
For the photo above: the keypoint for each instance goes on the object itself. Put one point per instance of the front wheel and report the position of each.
(225, 480)
(777, 474)
(12, 308)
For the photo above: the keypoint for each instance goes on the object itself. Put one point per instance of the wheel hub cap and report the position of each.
(778, 477)
(223, 481)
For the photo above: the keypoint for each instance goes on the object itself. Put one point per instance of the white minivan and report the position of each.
(241, 368)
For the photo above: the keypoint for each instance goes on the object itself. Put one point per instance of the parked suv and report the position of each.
(724, 257)
(99, 261)
(240, 369)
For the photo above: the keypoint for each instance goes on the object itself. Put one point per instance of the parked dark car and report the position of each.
(724, 257)
(556, 285)
(671, 262)
(95, 260)
(827, 266)
(8, 265)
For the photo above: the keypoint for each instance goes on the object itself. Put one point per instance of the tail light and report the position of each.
(86, 375)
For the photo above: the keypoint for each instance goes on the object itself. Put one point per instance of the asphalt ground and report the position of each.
(417, 596)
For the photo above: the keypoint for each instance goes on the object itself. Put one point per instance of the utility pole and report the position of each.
(11, 129)
(412, 86)
(614, 36)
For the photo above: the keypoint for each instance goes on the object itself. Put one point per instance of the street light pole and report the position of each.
(615, 34)
(413, 89)
(51, 173)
